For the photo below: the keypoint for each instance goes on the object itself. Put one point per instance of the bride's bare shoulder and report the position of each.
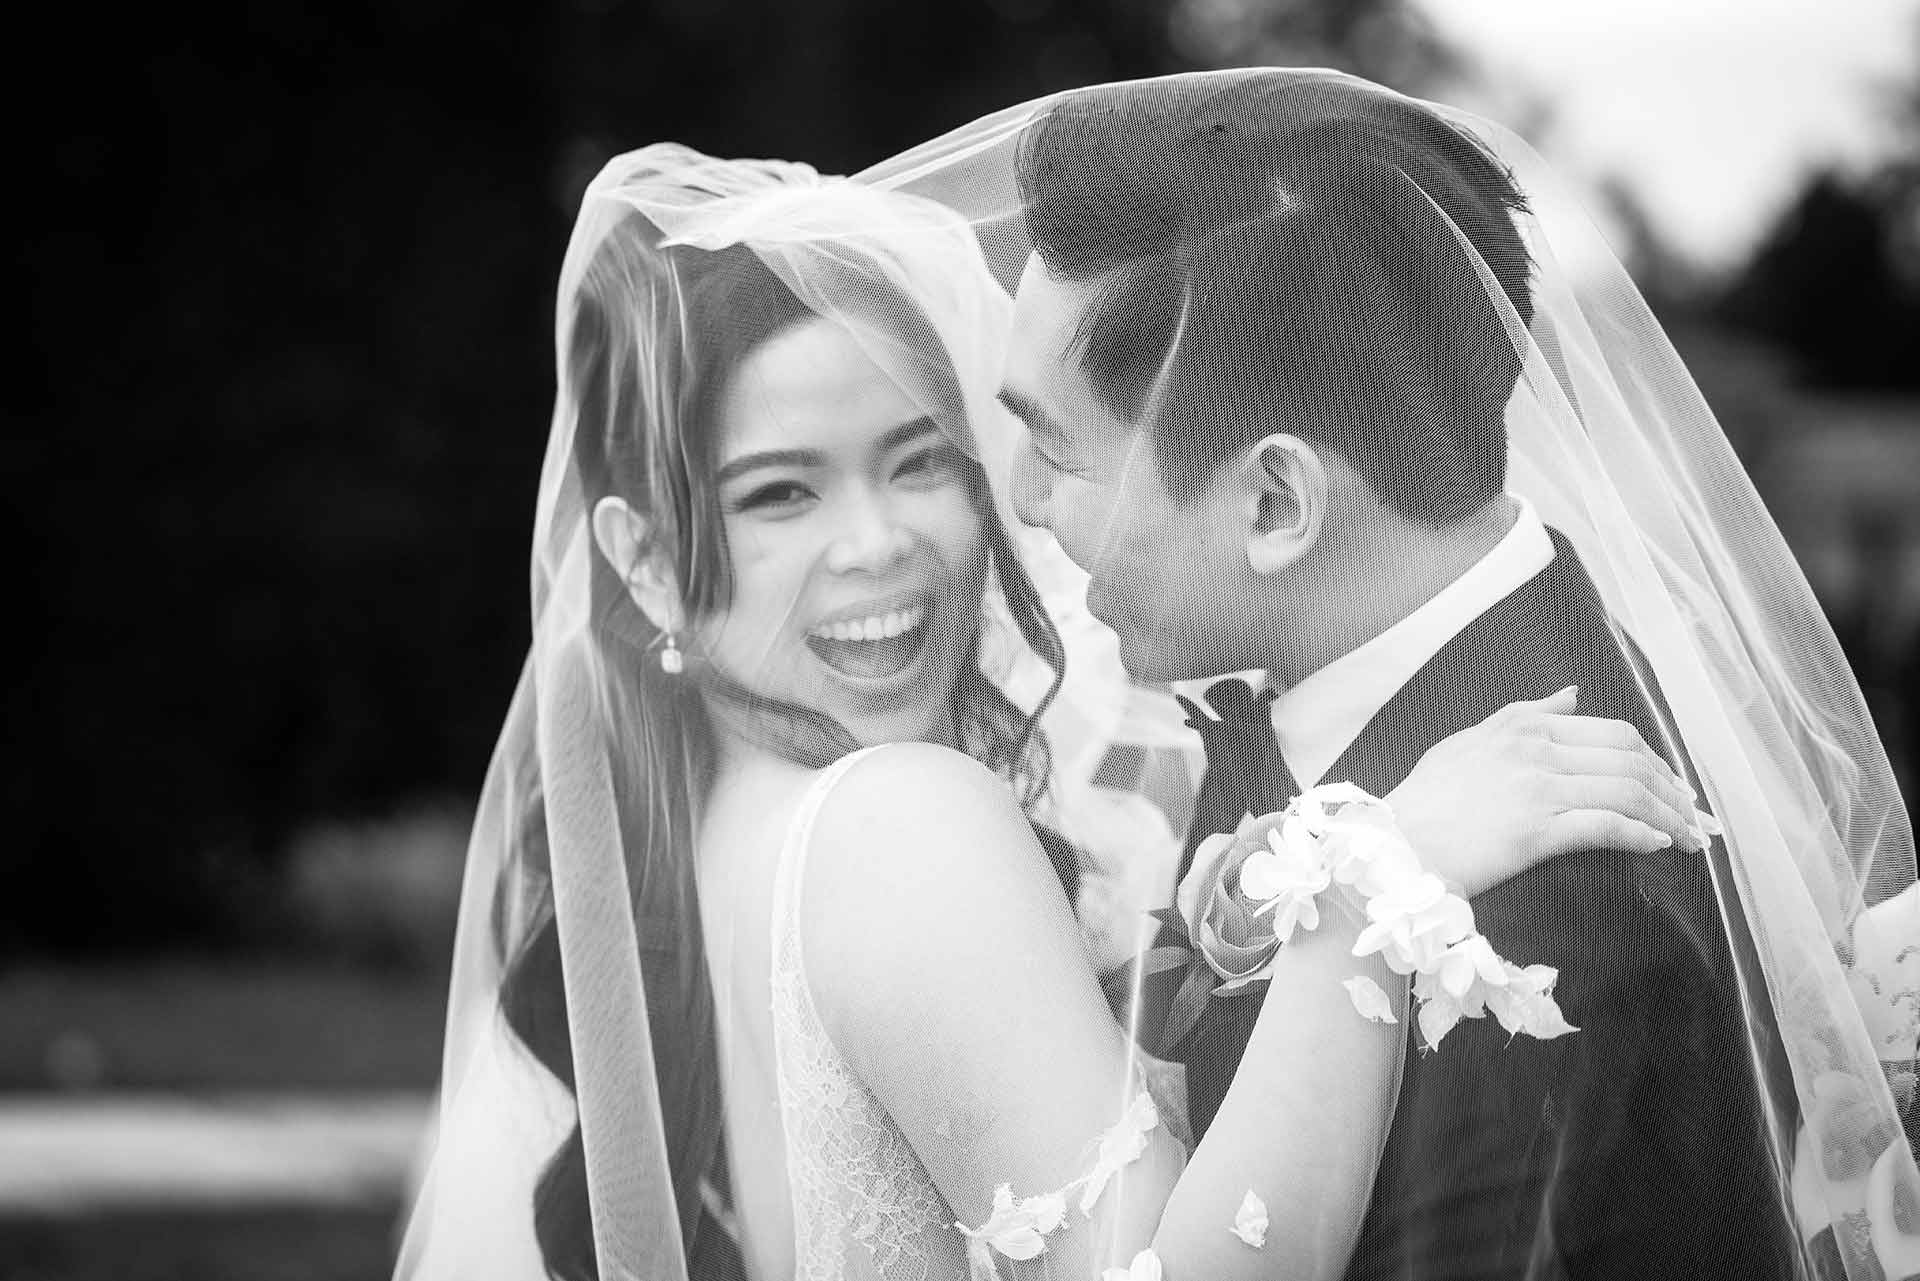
(925, 796)
(915, 841)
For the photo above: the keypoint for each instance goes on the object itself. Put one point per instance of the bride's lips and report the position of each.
(874, 641)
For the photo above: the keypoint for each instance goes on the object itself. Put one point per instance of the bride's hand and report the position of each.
(1532, 781)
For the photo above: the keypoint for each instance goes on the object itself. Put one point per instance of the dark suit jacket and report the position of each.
(1634, 1148)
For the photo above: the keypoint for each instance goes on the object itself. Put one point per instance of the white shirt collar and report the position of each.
(1319, 718)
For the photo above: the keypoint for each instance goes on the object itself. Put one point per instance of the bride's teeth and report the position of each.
(879, 627)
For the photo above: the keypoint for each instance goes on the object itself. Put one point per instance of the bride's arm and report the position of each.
(1305, 1117)
(942, 955)
(1302, 1124)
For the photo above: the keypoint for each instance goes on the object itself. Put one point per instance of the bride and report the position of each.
(767, 543)
(768, 933)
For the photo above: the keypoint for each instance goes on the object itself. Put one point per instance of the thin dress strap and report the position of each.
(864, 1207)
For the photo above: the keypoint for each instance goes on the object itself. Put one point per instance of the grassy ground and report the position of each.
(330, 1244)
(198, 1026)
(204, 1025)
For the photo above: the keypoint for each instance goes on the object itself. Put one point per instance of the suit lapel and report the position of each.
(1506, 654)
(1503, 655)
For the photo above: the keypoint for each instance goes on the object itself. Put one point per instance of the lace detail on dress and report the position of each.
(863, 1205)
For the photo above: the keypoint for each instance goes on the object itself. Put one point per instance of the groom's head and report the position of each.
(1257, 343)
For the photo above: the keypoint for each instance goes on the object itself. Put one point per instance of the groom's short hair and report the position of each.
(1300, 237)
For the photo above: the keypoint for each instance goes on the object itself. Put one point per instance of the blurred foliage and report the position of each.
(278, 427)
(1833, 291)
(1837, 282)
(1384, 40)
(278, 424)
(200, 1027)
(1833, 285)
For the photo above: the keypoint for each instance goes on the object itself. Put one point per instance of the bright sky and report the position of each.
(1712, 110)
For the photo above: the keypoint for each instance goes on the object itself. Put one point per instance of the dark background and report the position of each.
(276, 427)
(288, 372)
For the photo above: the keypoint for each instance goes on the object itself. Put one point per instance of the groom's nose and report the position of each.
(1029, 489)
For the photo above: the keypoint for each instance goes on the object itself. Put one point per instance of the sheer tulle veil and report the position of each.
(579, 1129)
(579, 1123)
(1612, 443)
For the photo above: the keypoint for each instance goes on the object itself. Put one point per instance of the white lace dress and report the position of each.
(863, 1205)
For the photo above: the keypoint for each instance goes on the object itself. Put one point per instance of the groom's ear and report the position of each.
(1286, 501)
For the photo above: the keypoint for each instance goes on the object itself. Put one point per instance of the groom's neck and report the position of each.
(1377, 577)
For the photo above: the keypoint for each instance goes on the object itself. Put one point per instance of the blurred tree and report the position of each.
(278, 427)
(1827, 285)
(1390, 41)
(1837, 281)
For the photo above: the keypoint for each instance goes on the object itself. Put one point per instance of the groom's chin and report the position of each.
(1150, 659)
(1152, 651)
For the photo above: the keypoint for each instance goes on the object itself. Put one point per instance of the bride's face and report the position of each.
(857, 554)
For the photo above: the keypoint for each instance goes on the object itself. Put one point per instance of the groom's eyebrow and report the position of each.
(1023, 408)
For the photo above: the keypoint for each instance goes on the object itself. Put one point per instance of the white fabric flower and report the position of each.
(1437, 1017)
(1472, 960)
(1145, 1267)
(1119, 1147)
(1286, 877)
(1017, 1229)
(1413, 923)
(1250, 1220)
(1525, 1003)
(1440, 1010)
(1370, 999)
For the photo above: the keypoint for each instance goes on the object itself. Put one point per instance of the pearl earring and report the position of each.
(671, 660)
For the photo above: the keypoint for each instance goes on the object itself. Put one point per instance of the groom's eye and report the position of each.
(1048, 458)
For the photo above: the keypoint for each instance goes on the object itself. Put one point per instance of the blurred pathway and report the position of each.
(74, 1154)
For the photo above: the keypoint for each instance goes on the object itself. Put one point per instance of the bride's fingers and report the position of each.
(1631, 799)
(1560, 703)
(1640, 765)
(1596, 829)
(1597, 731)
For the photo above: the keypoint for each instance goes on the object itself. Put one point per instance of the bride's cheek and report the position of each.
(964, 537)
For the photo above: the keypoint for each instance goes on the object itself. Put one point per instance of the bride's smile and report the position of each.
(872, 641)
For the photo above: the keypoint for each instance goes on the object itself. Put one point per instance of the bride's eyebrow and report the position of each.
(895, 437)
(907, 433)
(738, 467)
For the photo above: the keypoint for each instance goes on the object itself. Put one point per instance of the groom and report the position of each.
(1265, 389)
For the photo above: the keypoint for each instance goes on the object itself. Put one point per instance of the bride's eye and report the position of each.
(778, 498)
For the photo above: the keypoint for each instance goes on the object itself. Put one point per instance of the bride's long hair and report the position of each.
(707, 311)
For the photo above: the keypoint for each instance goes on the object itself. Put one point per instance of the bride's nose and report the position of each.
(871, 536)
